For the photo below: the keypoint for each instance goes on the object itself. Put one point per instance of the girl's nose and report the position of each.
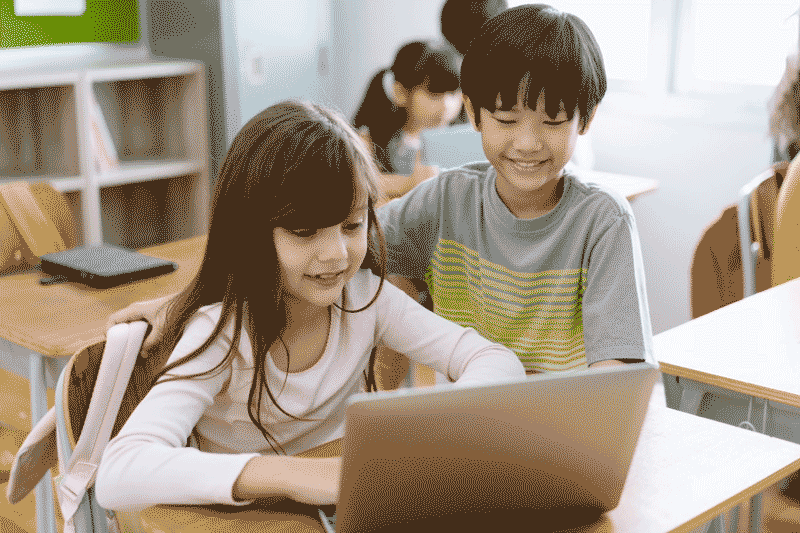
(333, 246)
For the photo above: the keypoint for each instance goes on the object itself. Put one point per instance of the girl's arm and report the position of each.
(148, 463)
(457, 352)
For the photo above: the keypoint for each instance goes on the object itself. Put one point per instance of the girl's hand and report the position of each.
(151, 311)
(314, 481)
(306, 480)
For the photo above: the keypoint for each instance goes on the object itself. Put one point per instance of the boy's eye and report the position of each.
(554, 122)
(505, 121)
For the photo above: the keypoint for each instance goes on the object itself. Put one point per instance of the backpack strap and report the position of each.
(33, 223)
(123, 342)
(35, 457)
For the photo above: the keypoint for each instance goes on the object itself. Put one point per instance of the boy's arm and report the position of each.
(410, 225)
(151, 311)
(616, 318)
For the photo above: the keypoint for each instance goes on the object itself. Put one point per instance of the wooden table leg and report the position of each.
(45, 512)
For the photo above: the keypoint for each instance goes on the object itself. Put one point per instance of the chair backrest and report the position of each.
(35, 219)
(756, 215)
(786, 259)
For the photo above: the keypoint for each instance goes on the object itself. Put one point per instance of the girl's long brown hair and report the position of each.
(294, 165)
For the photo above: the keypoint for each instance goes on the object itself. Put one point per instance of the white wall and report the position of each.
(365, 35)
(702, 152)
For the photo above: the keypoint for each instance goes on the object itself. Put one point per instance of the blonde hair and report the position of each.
(784, 110)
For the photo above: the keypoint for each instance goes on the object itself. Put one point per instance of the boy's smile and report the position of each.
(528, 149)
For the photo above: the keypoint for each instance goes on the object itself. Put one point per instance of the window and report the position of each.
(691, 46)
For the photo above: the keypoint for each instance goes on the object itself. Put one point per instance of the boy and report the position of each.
(518, 247)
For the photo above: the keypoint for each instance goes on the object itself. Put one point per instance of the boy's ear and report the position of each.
(470, 112)
(399, 94)
(588, 121)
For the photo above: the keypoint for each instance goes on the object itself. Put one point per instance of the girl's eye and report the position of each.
(354, 226)
(555, 122)
(303, 232)
(505, 121)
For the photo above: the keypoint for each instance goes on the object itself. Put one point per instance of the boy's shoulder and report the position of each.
(593, 195)
(471, 176)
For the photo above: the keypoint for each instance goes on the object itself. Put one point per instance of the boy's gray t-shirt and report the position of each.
(563, 290)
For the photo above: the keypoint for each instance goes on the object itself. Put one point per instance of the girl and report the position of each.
(784, 113)
(420, 91)
(278, 327)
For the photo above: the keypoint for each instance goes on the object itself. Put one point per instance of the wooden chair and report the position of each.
(756, 216)
(786, 260)
(733, 257)
(34, 219)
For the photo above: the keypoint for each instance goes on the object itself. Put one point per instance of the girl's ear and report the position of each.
(399, 94)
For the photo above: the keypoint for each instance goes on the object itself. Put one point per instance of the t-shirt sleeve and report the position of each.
(459, 353)
(410, 225)
(616, 318)
(148, 462)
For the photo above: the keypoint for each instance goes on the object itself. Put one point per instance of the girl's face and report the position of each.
(431, 110)
(315, 264)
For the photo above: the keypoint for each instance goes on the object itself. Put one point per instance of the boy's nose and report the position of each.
(526, 139)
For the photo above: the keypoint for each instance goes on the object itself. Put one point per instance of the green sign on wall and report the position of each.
(115, 21)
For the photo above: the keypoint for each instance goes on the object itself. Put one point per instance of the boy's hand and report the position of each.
(151, 311)
(609, 362)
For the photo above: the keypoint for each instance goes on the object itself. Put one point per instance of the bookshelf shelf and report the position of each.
(127, 143)
(147, 170)
(59, 183)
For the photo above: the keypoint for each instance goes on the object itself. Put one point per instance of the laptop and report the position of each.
(102, 267)
(552, 451)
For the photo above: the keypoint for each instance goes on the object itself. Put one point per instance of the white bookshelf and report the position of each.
(150, 183)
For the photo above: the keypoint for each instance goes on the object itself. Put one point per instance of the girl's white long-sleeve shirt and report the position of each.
(148, 462)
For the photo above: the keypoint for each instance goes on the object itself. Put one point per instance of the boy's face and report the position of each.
(527, 148)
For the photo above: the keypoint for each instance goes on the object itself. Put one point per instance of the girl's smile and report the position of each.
(316, 263)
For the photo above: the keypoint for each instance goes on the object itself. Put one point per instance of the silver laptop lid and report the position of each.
(555, 446)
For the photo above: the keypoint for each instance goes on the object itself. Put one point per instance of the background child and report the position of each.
(420, 91)
(519, 249)
(784, 113)
(271, 338)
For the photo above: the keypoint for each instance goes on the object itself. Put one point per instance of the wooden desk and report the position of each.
(751, 347)
(685, 472)
(58, 320)
(630, 187)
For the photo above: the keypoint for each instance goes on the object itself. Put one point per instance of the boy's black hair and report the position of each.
(462, 19)
(427, 64)
(545, 48)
